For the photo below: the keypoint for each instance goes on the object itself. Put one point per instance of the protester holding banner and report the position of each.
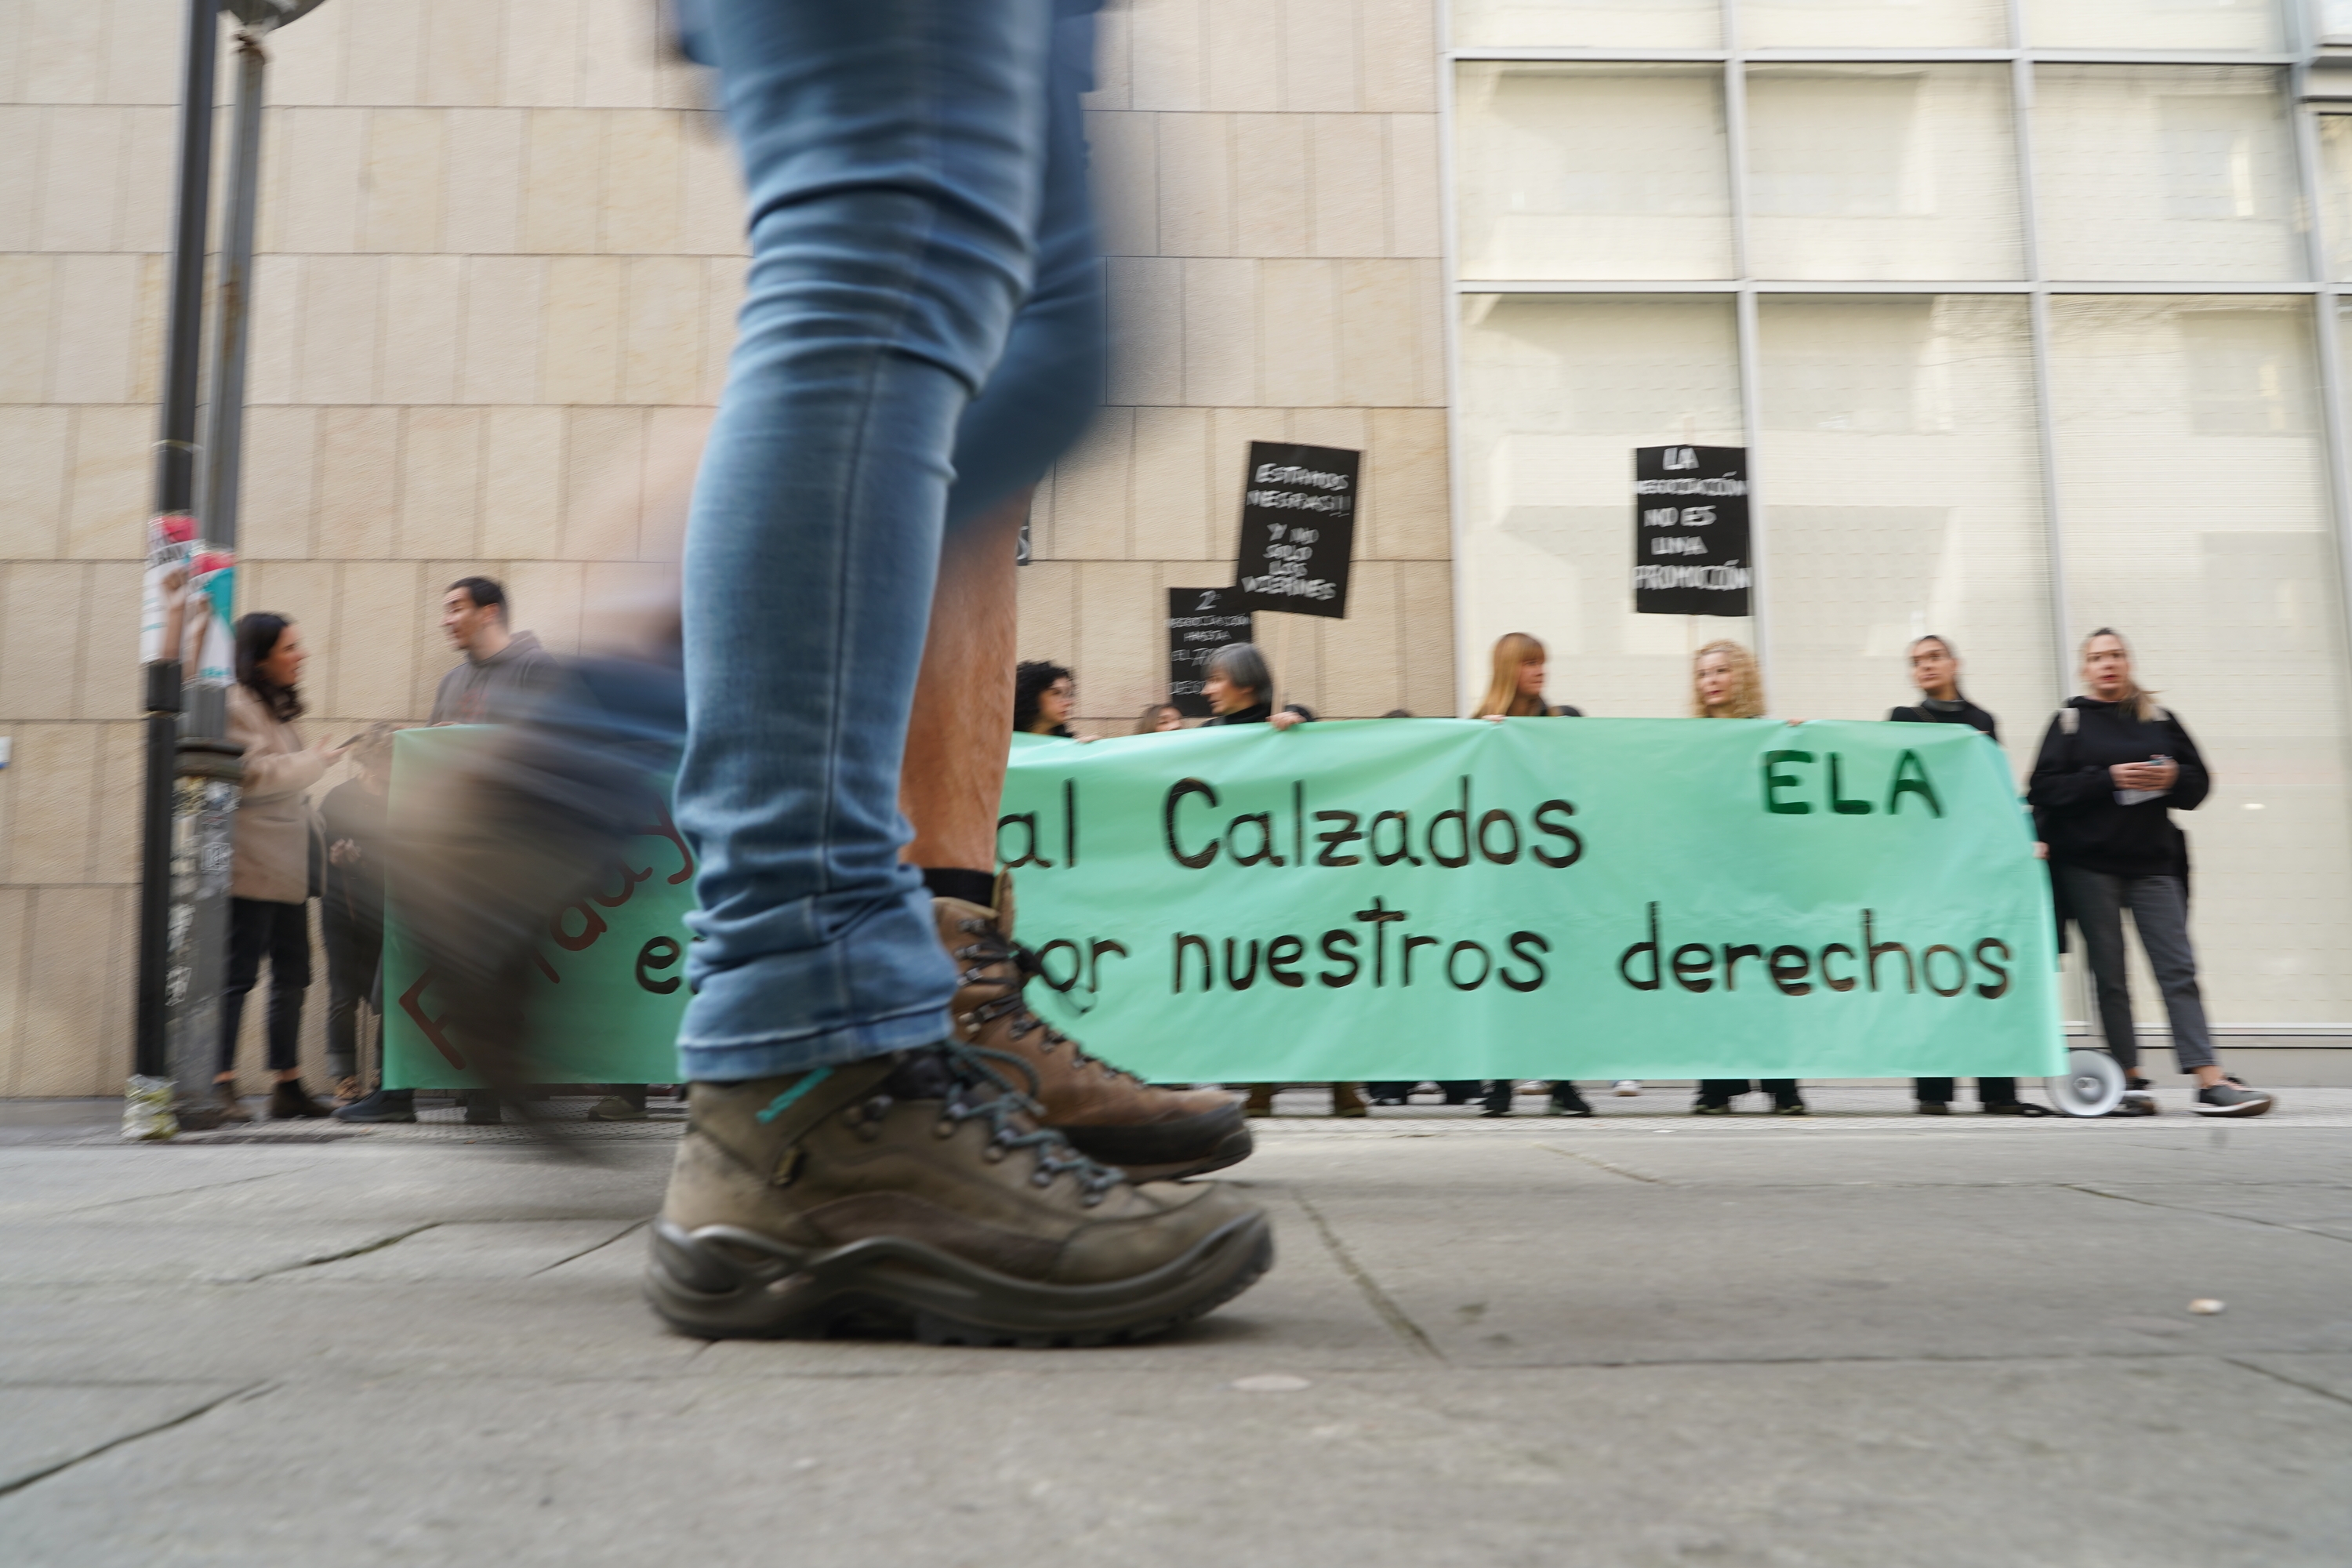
(271, 882)
(1240, 690)
(1239, 685)
(1158, 718)
(1516, 690)
(2112, 768)
(1726, 684)
(1042, 695)
(1936, 671)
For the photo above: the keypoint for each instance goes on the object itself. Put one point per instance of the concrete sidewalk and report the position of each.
(1861, 1339)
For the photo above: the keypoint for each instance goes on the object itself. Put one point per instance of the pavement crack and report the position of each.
(1604, 1165)
(376, 1245)
(2290, 1381)
(2209, 1214)
(622, 1235)
(1402, 1326)
(182, 1191)
(21, 1482)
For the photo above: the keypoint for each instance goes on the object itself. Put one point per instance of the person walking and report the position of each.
(1936, 671)
(275, 839)
(1515, 689)
(2112, 768)
(1726, 684)
(351, 909)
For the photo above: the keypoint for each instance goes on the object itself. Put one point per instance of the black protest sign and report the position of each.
(1199, 622)
(1690, 530)
(1298, 529)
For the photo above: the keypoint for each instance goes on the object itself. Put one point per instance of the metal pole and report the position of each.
(173, 492)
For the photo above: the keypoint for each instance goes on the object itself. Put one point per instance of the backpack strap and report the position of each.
(2070, 719)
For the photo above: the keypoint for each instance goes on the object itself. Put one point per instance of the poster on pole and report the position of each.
(1690, 531)
(1298, 529)
(1199, 622)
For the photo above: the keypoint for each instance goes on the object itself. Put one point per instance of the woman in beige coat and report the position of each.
(269, 886)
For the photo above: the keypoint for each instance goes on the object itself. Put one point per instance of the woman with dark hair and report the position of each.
(1041, 694)
(2113, 767)
(1936, 671)
(269, 881)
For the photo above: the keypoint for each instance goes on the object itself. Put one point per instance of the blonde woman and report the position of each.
(1726, 684)
(2113, 769)
(1517, 688)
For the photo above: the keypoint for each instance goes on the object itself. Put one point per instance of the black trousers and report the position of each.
(1724, 1091)
(281, 933)
(354, 949)
(1990, 1090)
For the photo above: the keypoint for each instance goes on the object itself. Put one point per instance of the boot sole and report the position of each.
(1164, 1151)
(723, 1283)
(1231, 1150)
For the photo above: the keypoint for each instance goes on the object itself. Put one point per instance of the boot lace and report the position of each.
(1004, 1111)
(990, 950)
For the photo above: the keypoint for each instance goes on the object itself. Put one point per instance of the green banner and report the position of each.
(1391, 898)
(1597, 898)
(609, 983)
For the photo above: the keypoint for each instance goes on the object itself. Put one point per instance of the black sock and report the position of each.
(956, 882)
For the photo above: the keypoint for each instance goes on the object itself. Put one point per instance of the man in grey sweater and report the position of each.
(505, 671)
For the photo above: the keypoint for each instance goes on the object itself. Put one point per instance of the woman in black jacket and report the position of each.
(2114, 766)
(1936, 671)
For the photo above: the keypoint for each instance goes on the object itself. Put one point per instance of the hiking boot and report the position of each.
(917, 1191)
(289, 1101)
(1346, 1101)
(227, 1105)
(1109, 1114)
(2231, 1099)
(383, 1105)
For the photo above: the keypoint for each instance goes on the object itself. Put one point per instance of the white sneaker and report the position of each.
(1626, 1086)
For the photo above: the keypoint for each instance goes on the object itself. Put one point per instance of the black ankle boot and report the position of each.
(289, 1101)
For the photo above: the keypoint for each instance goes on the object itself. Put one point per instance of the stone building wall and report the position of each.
(500, 257)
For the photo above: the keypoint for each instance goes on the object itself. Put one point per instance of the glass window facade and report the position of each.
(2020, 346)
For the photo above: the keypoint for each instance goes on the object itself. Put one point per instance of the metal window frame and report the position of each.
(2305, 38)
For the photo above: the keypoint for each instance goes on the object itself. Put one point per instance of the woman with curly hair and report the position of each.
(1041, 694)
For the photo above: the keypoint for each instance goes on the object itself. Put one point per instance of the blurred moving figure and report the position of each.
(505, 671)
(1516, 690)
(1726, 684)
(2112, 768)
(1936, 671)
(880, 1131)
(351, 908)
(1158, 718)
(270, 885)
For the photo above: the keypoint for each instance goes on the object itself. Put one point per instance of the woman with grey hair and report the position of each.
(1240, 690)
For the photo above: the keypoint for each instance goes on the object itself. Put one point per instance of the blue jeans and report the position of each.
(921, 335)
